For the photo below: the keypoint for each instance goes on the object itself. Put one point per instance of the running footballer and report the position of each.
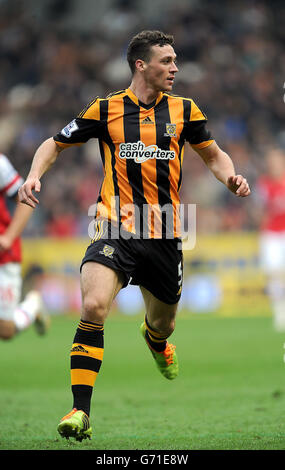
(142, 131)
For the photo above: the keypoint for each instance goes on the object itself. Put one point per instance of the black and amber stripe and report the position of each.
(90, 326)
(162, 116)
(100, 230)
(84, 110)
(156, 340)
(131, 124)
(85, 361)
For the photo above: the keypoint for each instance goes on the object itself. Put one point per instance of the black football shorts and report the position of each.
(156, 264)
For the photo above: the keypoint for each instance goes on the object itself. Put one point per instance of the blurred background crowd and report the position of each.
(57, 55)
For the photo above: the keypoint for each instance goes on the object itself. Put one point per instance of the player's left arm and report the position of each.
(19, 221)
(221, 165)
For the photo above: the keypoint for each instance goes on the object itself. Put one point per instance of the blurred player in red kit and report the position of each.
(15, 316)
(271, 192)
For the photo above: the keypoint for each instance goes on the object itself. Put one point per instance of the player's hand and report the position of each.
(26, 191)
(238, 185)
(5, 242)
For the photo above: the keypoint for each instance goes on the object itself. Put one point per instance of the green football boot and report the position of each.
(166, 361)
(75, 424)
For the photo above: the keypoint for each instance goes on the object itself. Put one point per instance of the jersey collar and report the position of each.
(134, 98)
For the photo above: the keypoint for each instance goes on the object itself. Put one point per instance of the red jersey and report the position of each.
(10, 181)
(272, 193)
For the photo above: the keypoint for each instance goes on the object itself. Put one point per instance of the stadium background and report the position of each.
(55, 55)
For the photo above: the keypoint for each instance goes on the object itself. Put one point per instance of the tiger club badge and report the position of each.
(170, 130)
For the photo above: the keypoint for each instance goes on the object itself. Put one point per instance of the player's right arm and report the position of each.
(77, 132)
(44, 157)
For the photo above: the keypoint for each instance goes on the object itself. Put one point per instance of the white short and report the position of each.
(272, 252)
(10, 289)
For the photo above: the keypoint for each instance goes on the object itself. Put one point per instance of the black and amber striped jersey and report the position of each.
(142, 150)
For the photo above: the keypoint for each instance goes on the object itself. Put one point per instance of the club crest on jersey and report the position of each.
(138, 152)
(170, 130)
(107, 251)
(71, 127)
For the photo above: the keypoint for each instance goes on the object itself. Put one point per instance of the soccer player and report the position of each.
(271, 201)
(15, 316)
(142, 131)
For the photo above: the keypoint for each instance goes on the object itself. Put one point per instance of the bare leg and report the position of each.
(159, 325)
(161, 316)
(99, 286)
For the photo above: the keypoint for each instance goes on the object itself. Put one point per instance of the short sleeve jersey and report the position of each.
(142, 149)
(10, 181)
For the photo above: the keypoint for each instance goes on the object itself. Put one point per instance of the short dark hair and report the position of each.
(139, 46)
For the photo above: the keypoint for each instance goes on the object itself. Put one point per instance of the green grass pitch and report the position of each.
(230, 393)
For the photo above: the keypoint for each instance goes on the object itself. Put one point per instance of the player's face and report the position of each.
(160, 71)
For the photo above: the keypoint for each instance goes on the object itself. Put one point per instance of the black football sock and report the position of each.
(157, 341)
(85, 361)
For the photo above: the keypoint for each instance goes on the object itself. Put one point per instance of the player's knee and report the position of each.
(7, 330)
(94, 309)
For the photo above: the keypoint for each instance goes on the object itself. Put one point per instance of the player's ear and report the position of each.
(140, 65)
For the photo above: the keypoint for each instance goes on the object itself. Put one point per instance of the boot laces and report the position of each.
(168, 353)
(71, 413)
